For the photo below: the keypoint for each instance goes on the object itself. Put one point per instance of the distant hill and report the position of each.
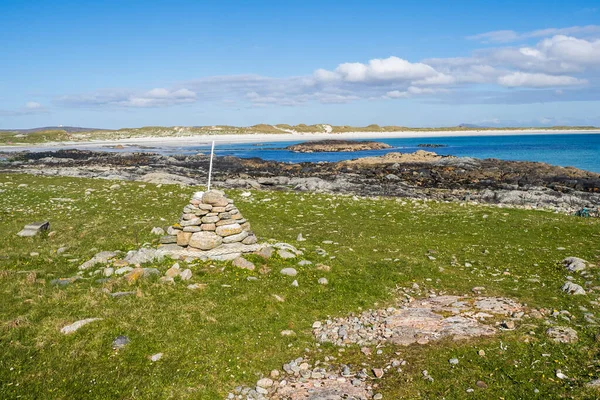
(472, 126)
(68, 129)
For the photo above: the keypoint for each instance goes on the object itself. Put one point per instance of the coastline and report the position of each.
(199, 140)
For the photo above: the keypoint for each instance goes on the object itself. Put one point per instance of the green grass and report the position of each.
(224, 336)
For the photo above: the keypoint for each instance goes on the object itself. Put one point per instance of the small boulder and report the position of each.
(120, 342)
(157, 231)
(205, 240)
(562, 334)
(289, 272)
(575, 264)
(572, 288)
(242, 263)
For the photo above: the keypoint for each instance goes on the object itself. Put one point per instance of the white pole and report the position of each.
(212, 151)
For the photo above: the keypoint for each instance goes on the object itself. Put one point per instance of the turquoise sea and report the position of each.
(578, 150)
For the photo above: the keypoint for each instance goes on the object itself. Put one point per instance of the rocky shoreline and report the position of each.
(320, 146)
(420, 175)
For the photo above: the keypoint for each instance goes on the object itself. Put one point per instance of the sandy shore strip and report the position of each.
(202, 140)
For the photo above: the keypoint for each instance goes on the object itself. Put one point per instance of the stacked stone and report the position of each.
(208, 222)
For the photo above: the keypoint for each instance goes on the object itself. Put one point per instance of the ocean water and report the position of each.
(578, 150)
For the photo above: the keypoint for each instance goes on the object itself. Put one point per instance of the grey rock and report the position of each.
(241, 262)
(157, 231)
(323, 281)
(186, 275)
(100, 258)
(285, 254)
(120, 342)
(76, 325)
(572, 288)
(289, 272)
(562, 334)
(575, 264)
(34, 228)
(144, 255)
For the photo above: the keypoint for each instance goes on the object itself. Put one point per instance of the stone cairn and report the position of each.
(211, 227)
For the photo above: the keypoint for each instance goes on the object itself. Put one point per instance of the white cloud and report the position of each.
(558, 61)
(506, 36)
(379, 69)
(33, 105)
(523, 79)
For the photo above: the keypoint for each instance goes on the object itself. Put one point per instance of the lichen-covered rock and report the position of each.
(228, 230)
(236, 238)
(183, 238)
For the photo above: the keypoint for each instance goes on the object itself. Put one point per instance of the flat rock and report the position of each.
(120, 342)
(241, 262)
(285, 254)
(562, 334)
(144, 255)
(34, 228)
(228, 230)
(76, 325)
(236, 238)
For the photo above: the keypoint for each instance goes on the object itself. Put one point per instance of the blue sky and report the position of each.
(115, 64)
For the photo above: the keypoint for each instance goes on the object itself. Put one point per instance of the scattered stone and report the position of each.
(156, 357)
(266, 252)
(265, 383)
(510, 325)
(242, 263)
(123, 270)
(481, 385)
(323, 267)
(575, 264)
(594, 384)
(289, 272)
(166, 280)
(197, 286)
(300, 238)
(572, 288)
(76, 325)
(122, 294)
(323, 281)
(157, 231)
(64, 281)
(378, 372)
(453, 361)
(174, 271)
(100, 258)
(120, 342)
(186, 274)
(420, 321)
(562, 334)
(478, 289)
(34, 228)
(144, 255)
(285, 254)
(288, 332)
(115, 187)
(295, 283)
(304, 262)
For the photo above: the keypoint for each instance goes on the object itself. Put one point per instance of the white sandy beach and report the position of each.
(199, 140)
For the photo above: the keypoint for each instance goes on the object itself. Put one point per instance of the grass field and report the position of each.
(229, 333)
